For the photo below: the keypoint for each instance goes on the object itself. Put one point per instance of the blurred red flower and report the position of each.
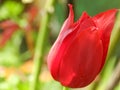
(8, 27)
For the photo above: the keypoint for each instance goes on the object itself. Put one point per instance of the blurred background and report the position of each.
(19, 25)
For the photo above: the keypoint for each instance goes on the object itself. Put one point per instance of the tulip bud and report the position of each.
(80, 50)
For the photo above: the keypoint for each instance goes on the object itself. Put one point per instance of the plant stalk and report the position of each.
(65, 88)
(39, 49)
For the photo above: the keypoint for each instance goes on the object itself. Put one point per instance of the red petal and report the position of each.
(81, 61)
(7, 34)
(69, 21)
(105, 22)
(57, 51)
(83, 17)
(84, 22)
(105, 18)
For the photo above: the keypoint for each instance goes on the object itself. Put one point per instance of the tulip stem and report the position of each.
(39, 49)
(65, 88)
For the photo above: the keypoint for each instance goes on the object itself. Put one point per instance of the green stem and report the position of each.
(65, 88)
(38, 56)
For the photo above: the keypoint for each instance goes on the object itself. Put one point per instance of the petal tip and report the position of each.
(70, 5)
(71, 13)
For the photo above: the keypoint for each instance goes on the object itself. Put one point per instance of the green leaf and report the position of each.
(10, 9)
(51, 85)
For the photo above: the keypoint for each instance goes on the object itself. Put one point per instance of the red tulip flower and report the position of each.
(80, 50)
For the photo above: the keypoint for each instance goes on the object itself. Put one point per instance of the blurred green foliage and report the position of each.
(10, 9)
(93, 7)
(14, 52)
(10, 55)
